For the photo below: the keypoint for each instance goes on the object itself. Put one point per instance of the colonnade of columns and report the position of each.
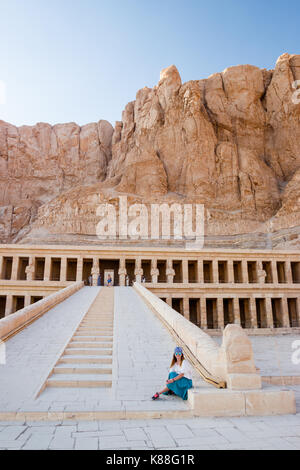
(268, 315)
(212, 271)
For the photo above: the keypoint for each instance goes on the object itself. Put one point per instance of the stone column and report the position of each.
(274, 272)
(138, 271)
(27, 300)
(79, 269)
(253, 315)
(9, 305)
(269, 314)
(154, 271)
(288, 272)
(1, 267)
(14, 270)
(122, 272)
(63, 269)
(236, 311)
(198, 314)
(186, 307)
(185, 271)
(298, 310)
(47, 268)
(285, 312)
(245, 271)
(200, 271)
(170, 272)
(30, 269)
(230, 271)
(203, 313)
(215, 272)
(95, 271)
(220, 313)
(169, 301)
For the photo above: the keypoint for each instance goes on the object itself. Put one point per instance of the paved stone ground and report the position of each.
(268, 433)
(142, 353)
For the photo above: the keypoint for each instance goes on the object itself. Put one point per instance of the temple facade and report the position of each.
(260, 290)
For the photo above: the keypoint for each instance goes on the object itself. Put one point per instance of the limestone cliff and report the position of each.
(230, 141)
(40, 162)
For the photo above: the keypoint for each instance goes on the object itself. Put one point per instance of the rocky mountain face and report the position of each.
(41, 162)
(231, 142)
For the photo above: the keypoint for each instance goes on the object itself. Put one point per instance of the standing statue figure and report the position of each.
(29, 270)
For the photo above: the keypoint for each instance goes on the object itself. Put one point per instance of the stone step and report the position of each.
(97, 320)
(87, 338)
(98, 317)
(91, 344)
(88, 352)
(80, 369)
(85, 360)
(66, 382)
(104, 331)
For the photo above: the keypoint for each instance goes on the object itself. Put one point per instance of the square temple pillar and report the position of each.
(230, 272)
(220, 313)
(298, 310)
(63, 269)
(203, 313)
(215, 271)
(236, 311)
(269, 314)
(200, 271)
(274, 272)
(47, 268)
(79, 269)
(14, 270)
(1, 266)
(185, 271)
(27, 300)
(288, 272)
(285, 313)
(9, 305)
(169, 301)
(122, 272)
(253, 316)
(245, 271)
(186, 308)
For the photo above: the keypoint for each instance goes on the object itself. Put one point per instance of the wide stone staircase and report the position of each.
(87, 358)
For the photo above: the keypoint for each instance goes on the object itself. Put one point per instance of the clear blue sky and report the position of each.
(83, 60)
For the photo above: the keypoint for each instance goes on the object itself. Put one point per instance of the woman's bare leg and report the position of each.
(164, 390)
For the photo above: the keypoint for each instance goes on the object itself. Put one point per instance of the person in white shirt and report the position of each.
(180, 377)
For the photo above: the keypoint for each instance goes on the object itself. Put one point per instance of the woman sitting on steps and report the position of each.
(180, 377)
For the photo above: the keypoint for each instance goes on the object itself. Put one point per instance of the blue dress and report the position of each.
(180, 387)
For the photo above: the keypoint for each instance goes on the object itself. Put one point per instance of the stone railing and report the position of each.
(232, 362)
(12, 323)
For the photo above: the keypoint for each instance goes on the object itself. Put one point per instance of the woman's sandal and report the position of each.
(155, 397)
